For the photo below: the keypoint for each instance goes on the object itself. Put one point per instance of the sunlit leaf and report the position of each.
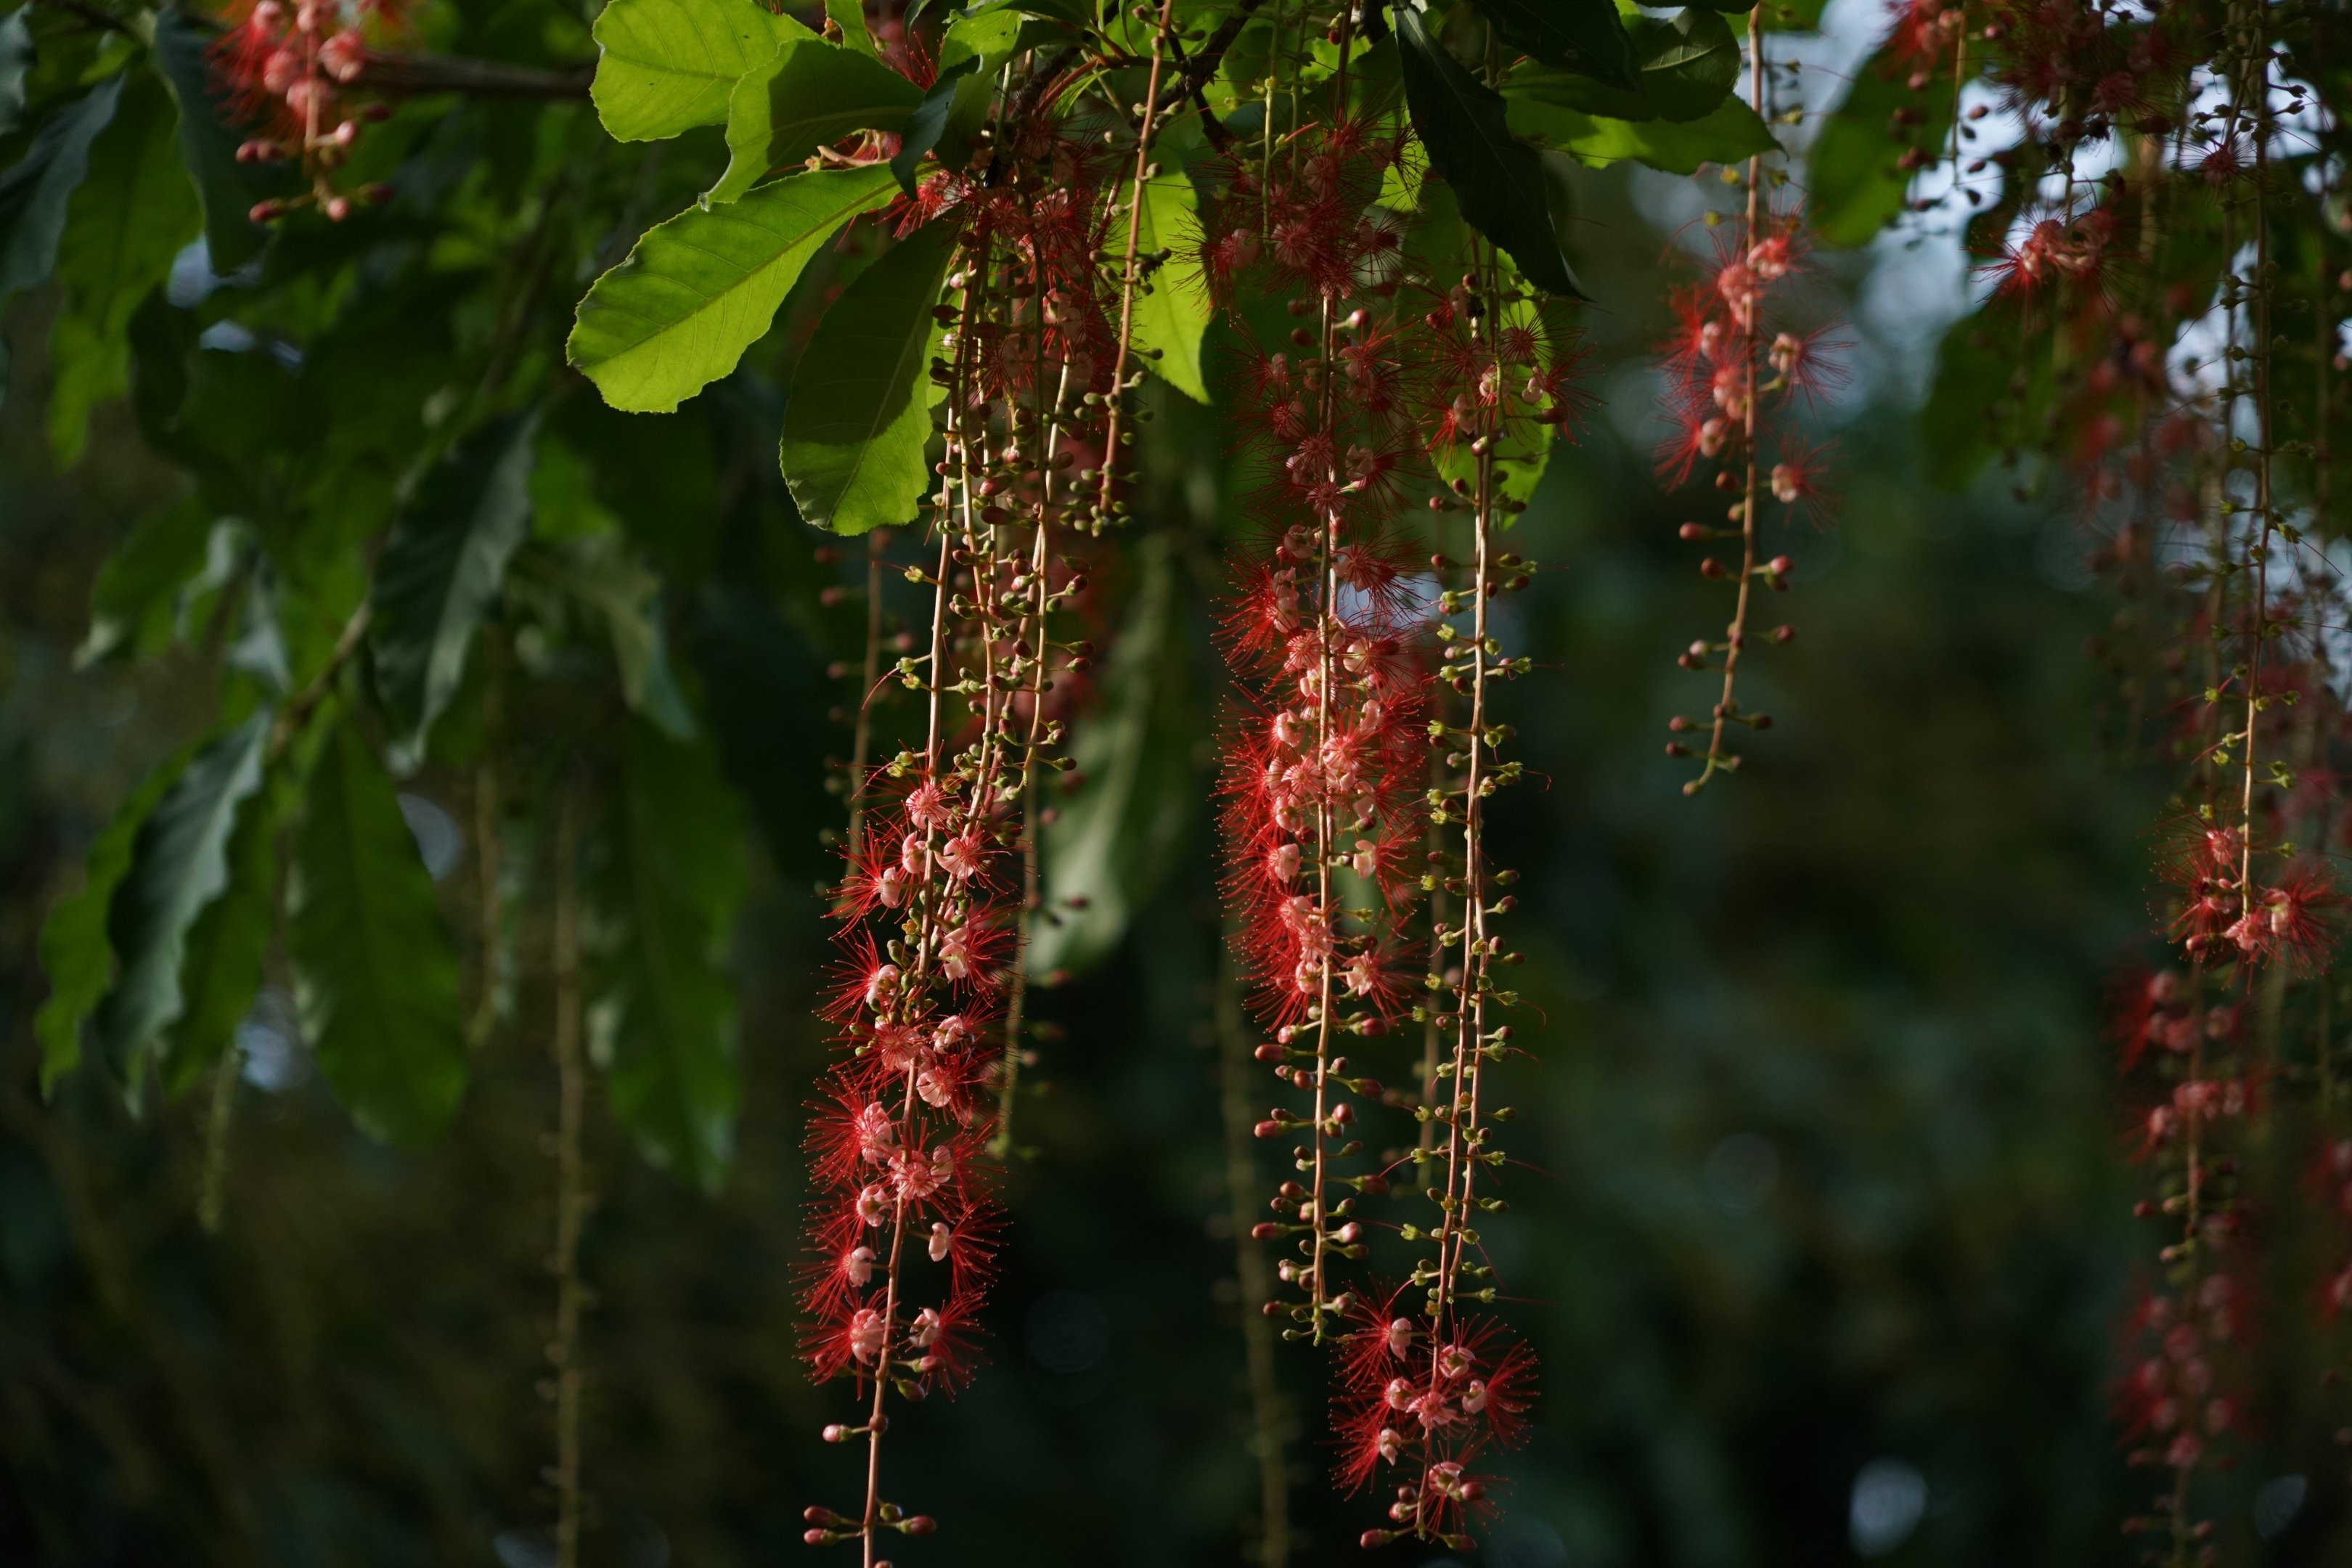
(375, 967)
(859, 419)
(700, 290)
(667, 66)
(1173, 317)
(1733, 132)
(809, 95)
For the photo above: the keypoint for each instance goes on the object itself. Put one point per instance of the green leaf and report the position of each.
(949, 116)
(1498, 179)
(75, 952)
(221, 973)
(700, 290)
(663, 1019)
(1734, 131)
(667, 66)
(811, 94)
(132, 215)
(1079, 15)
(1856, 180)
(1106, 849)
(1586, 36)
(988, 37)
(1741, 7)
(441, 570)
(375, 969)
(133, 605)
(1688, 65)
(226, 189)
(859, 419)
(179, 864)
(15, 59)
(1171, 318)
(849, 16)
(34, 191)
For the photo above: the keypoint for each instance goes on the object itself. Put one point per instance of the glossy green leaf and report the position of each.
(1855, 179)
(226, 189)
(849, 16)
(700, 290)
(1498, 179)
(811, 94)
(376, 968)
(133, 213)
(859, 420)
(1733, 132)
(667, 66)
(1079, 15)
(36, 189)
(1109, 846)
(15, 59)
(987, 37)
(221, 973)
(663, 1016)
(1172, 316)
(441, 570)
(1586, 36)
(75, 952)
(179, 864)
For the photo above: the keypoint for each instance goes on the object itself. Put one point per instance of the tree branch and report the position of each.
(402, 74)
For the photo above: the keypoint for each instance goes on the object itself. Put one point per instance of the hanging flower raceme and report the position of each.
(1321, 764)
(1733, 369)
(296, 67)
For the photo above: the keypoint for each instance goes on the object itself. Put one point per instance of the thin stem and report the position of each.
(1128, 275)
(861, 740)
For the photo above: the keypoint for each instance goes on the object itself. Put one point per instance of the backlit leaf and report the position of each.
(1733, 132)
(667, 66)
(859, 419)
(1173, 317)
(811, 94)
(700, 290)
(375, 967)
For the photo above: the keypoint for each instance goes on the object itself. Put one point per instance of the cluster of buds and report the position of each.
(1730, 368)
(294, 67)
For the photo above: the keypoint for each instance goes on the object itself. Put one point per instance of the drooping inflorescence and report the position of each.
(296, 69)
(1736, 364)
